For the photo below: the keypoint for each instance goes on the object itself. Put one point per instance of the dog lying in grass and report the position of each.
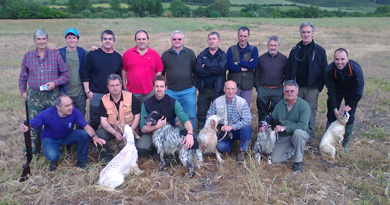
(168, 140)
(124, 163)
(334, 135)
(266, 139)
(207, 137)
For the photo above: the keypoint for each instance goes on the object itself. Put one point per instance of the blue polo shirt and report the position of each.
(56, 127)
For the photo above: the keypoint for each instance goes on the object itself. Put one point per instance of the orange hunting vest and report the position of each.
(125, 114)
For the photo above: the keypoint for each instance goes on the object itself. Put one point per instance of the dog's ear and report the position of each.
(213, 124)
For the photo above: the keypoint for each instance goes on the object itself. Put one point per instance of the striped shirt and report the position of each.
(37, 71)
(235, 119)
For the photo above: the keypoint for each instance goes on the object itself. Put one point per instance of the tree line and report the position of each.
(27, 9)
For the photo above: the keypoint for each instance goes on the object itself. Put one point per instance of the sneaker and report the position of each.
(240, 157)
(297, 167)
(82, 165)
(53, 166)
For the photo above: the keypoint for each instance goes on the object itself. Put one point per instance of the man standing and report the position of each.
(115, 107)
(242, 60)
(293, 115)
(306, 65)
(211, 66)
(344, 80)
(269, 78)
(140, 65)
(169, 108)
(179, 63)
(236, 119)
(74, 57)
(58, 122)
(99, 64)
(43, 70)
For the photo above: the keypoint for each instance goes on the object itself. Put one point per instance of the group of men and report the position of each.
(129, 87)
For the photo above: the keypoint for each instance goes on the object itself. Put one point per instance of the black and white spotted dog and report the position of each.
(266, 139)
(168, 141)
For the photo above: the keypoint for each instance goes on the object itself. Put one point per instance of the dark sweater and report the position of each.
(271, 70)
(179, 68)
(98, 66)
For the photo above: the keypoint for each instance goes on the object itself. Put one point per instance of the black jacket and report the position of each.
(317, 66)
(349, 81)
(215, 67)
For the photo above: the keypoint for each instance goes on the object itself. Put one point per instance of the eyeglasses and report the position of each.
(289, 91)
(177, 39)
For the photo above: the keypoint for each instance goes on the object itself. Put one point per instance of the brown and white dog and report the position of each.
(207, 137)
(124, 163)
(334, 135)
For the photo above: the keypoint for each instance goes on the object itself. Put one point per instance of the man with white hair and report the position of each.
(306, 65)
(269, 77)
(179, 65)
(43, 70)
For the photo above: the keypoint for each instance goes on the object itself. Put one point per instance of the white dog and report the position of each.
(266, 139)
(124, 163)
(334, 135)
(207, 137)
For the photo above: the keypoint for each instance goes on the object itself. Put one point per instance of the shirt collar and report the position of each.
(112, 99)
(112, 50)
(177, 53)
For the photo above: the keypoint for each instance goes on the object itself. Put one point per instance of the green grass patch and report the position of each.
(376, 133)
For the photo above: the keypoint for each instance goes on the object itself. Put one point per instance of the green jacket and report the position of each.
(297, 118)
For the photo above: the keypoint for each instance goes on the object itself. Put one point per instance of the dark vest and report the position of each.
(244, 79)
(165, 106)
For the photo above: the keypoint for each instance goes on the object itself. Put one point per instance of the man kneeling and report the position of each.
(58, 122)
(293, 115)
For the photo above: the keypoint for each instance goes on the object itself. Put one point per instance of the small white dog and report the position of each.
(207, 137)
(334, 135)
(124, 163)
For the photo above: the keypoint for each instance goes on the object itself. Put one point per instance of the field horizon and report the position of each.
(360, 177)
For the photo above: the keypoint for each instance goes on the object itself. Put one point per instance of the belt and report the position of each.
(273, 87)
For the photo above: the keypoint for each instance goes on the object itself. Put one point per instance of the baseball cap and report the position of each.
(73, 31)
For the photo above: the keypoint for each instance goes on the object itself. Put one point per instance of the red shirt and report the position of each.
(141, 69)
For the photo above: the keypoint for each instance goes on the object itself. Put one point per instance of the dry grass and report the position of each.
(362, 177)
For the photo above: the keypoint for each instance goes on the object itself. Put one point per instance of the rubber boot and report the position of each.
(347, 137)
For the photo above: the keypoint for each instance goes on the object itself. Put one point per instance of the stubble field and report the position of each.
(361, 177)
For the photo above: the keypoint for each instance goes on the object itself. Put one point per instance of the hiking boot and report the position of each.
(82, 165)
(297, 167)
(240, 157)
(53, 166)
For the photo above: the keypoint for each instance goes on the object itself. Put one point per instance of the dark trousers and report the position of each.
(267, 99)
(348, 98)
(205, 98)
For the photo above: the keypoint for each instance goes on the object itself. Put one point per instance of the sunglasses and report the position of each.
(289, 91)
(177, 39)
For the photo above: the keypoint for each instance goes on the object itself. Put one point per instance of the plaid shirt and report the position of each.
(37, 71)
(235, 120)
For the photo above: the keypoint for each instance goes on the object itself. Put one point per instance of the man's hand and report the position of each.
(23, 128)
(118, 136)
(188, 141)
(90, 95)
(51, 86)
(346, 108)
(226, 128)
(243, 69)
(24, 95)
(203, 65)
(279, 128)
(336, 112)
(100, 141)
(94, 48)
(161, 122)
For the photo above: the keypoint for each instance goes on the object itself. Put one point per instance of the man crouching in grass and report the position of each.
(58, 122)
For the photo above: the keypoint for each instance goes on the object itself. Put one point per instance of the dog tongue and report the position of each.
(262, 129)
(149, 123)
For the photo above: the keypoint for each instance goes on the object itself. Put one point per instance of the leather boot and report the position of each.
(347, 137)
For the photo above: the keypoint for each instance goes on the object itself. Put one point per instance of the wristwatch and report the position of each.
(282, 129)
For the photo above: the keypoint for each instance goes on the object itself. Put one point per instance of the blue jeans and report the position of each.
(94, 114)
(79, 137)
(187, 99)
(244, 135)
